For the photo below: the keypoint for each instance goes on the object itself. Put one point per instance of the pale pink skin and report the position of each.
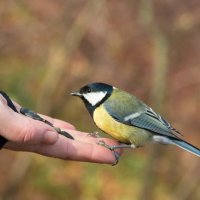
(26, 134)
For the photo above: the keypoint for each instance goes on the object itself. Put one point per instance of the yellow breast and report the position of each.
(119, 131)
(106, 123)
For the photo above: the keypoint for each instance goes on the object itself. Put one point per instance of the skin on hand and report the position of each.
(26, 134)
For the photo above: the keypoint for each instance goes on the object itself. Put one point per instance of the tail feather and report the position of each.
(186, 146)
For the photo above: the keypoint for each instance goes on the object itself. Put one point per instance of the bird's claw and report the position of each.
(112, 149)
(94, 134)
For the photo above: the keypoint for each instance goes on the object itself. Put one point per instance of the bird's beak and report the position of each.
(78, 94)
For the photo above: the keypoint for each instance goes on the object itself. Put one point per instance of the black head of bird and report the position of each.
(94, 94)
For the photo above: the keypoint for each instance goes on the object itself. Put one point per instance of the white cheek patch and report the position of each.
(94, 97)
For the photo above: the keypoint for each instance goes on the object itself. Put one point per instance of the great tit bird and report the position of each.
(128, 119)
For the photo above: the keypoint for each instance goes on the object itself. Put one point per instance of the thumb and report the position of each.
(21, 129)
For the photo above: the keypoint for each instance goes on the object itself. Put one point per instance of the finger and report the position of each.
(18, 107)
(77, 133)
(85, 137)
(55, 122)
(58, 123)
(18, 128)
(70, 150)
(2, 99)
(95, 141)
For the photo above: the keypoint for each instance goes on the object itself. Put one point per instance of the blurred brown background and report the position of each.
(149, 48)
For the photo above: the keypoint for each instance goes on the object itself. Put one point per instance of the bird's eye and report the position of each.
(88, 89)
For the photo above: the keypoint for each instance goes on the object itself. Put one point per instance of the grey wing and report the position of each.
(143, 117)
(153, 122)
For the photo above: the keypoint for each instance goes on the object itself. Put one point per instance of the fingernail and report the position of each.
(50, 137)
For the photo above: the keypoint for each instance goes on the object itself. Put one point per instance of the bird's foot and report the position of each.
(111, 148)
(94, 134)
(121, 146)
(34, 115)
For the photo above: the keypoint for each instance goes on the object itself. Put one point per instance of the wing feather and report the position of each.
(139, 115)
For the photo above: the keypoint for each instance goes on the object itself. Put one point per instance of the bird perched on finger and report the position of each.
(128, 119)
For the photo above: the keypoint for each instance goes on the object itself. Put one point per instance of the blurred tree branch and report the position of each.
(58, 74)
(158, 92)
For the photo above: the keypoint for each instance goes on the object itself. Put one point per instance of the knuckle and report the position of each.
(26, 133)
(69, 153)
(66, 155)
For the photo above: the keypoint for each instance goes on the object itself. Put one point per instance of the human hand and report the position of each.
(26, 134)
